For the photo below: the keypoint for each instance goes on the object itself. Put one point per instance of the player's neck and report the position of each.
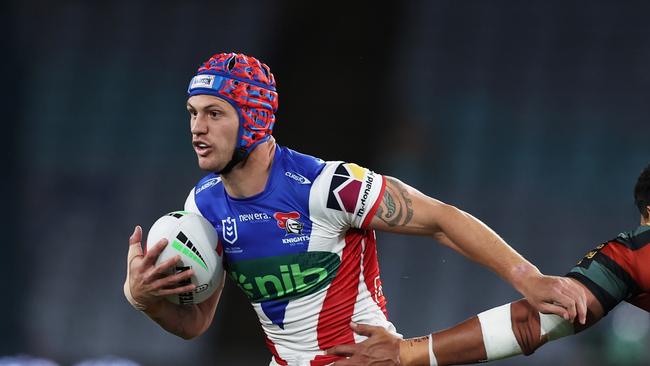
(249, 178)
(645, 220)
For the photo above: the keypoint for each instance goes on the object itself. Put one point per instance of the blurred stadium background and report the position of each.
(531, 115)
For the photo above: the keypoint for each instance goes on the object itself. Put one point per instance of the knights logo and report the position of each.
(229, 230)
(293, 226)
(289, 222)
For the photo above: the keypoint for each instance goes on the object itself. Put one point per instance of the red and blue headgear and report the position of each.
(249, 86)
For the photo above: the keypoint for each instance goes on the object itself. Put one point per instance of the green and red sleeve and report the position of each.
(618, 270)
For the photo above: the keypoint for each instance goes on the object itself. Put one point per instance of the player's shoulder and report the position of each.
(206, 192)
(350, 188)
(208, 182)
(302, 168)
(314, 166)
(337, 173)
(635, 239)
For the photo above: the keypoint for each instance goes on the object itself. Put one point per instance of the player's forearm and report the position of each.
(472, 238)
(505, 331)
(406, 210)
(185, 321)
(461, 344)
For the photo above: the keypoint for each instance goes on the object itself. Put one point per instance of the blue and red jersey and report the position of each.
(302, 252)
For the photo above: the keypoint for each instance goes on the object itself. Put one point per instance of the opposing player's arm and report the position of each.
(505, 331)
(404, 209)
(147, 285)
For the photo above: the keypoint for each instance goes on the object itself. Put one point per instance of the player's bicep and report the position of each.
(404, 209)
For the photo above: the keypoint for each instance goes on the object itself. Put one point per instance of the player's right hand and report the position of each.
(557, 295)
(147, 283)
(380, 348)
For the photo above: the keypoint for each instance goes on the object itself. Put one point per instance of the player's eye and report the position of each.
(215, 114)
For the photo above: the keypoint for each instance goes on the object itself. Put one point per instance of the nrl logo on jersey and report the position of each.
(229, 230)
(289, 222)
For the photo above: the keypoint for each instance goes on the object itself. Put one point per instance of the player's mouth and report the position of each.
(201, 148)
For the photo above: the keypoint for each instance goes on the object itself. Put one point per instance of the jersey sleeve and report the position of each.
(190, 204)
(346, 195)
(612, 273)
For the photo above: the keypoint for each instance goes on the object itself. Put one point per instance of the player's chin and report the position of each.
(209, 165)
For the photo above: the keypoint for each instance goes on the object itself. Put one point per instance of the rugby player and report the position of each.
(615, 271)
(297, 232)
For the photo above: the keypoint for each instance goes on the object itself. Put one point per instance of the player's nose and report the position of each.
(199, 125)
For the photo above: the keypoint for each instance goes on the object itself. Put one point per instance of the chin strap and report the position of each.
(237, 157)
(241, 153)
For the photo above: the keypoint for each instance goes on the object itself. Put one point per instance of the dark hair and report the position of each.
(642, 192)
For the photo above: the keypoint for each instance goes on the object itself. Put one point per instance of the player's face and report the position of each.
(214, 124)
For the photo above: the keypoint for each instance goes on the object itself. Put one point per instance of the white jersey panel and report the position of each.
(190, 204)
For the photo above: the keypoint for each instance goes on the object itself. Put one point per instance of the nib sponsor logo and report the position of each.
(274, 281)
(291, 279)
(284, 277)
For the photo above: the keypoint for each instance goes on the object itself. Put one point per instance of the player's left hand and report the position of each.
(556, 295)
(380, 349)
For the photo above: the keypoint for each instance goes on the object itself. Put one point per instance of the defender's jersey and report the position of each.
(301, 252)
(618, 270)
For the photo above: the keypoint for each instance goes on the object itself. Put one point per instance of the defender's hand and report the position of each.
(380, 349)
(556, 295)
(147, 284)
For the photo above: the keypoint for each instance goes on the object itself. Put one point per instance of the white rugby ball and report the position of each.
(193, 238)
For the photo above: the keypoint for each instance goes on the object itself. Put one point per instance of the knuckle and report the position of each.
(149, 276)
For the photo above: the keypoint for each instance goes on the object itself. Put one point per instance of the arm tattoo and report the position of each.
(413, 341)
(396, 208)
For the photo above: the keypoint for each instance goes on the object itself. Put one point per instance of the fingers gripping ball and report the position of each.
(194, 239)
